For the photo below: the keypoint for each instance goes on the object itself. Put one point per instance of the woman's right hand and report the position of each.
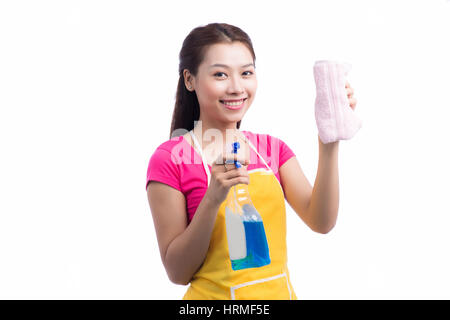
(224, 177)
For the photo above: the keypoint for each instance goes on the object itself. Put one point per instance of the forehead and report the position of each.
(233, 54)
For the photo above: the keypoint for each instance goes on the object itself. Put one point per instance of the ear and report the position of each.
(188, 80)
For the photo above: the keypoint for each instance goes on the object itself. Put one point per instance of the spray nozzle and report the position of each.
(236, 146)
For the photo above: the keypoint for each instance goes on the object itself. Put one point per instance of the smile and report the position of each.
(233, 105)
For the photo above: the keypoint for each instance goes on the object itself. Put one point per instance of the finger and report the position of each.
(222, 158)
(350, 91)
(236, 172)
(232, 174)
(230, 158)
(231, 164)
(237, 180)
(227, 167)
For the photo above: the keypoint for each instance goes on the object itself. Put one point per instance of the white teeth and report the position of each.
(233, 103)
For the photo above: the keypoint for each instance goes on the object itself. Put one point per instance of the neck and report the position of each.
(208, 133)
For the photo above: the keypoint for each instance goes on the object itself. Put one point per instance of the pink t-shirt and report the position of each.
(177, 164)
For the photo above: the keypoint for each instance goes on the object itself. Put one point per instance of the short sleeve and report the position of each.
(161, 168)
(285, 152)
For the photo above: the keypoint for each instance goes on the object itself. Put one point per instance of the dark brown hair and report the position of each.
(187, 109)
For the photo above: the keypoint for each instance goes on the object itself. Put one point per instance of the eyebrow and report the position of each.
(225, 66)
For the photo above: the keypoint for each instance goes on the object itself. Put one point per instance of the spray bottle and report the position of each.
(247, 241)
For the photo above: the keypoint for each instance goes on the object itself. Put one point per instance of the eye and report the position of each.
(245, 73)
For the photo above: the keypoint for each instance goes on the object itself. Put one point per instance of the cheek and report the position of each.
(252, 86)
(251, 91)
(208, 93)
(214, 89)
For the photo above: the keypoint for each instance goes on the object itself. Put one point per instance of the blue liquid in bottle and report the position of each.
(255, 236)
(257, 249)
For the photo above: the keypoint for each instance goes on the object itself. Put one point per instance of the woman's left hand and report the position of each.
(350, 92)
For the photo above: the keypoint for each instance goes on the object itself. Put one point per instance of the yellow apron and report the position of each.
(216, 279)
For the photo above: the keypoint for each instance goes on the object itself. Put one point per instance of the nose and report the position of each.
(235, 85)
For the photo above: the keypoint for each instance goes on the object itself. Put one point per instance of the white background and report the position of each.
(87, 90)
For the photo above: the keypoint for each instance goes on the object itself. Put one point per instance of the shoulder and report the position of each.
(167, 154)
(170, 144)
(175, 149)
(164, 163)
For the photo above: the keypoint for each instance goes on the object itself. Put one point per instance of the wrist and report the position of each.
(328, 146)
(210, 201)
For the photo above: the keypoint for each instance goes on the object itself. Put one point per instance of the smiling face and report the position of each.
(225, 84)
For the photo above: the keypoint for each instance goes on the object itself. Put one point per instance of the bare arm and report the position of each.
(317, 206)
(182, 247)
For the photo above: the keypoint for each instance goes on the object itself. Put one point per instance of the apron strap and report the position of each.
(205, 165)
(254, 149)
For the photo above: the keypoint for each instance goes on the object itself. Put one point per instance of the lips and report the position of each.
(233, 104)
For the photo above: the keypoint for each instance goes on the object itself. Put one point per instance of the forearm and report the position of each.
(187, 252)
(324, 204)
